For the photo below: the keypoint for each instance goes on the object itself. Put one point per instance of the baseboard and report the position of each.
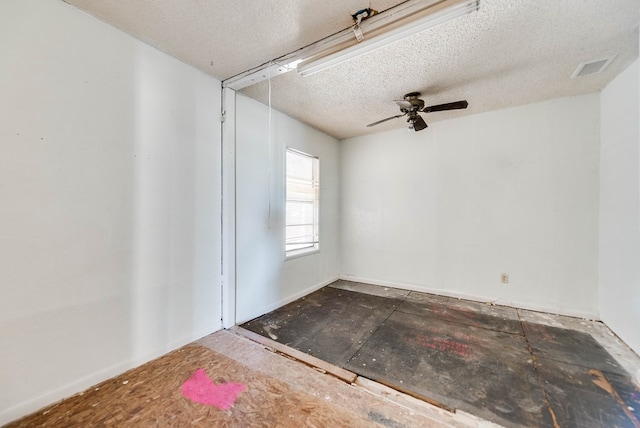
(280, 303)
(27, 407)
(552, 310)
(448, 293)
(50, 397)
(173, 345)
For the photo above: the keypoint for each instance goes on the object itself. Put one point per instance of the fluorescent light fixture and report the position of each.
(258, 74)
(396, 23)
(436, 17)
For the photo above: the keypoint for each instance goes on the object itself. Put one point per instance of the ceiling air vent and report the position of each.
(592, 67)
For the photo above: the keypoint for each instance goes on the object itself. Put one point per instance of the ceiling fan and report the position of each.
(411, 105)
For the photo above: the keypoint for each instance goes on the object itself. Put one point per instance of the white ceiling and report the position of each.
(510, 52)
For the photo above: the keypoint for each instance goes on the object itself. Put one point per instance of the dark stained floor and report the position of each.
(479, 358)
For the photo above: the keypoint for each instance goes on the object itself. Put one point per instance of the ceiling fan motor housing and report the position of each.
(414, 99)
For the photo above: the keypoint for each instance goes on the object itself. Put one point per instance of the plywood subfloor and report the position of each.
(487, 360)
(279, 393)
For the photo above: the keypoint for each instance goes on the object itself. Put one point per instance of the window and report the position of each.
(302, 201)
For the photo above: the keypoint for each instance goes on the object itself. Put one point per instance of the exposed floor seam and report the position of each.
(293, 354)
(241, 332)
(413, 394)
(389, 385)
(379, 326)
(534, 362)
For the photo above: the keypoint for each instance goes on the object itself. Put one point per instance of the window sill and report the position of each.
(300, 253)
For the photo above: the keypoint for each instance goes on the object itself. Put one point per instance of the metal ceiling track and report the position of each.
(386, 27)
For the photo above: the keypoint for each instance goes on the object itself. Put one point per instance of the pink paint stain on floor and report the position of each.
(201, 389)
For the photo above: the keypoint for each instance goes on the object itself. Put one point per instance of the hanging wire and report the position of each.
(269, 184)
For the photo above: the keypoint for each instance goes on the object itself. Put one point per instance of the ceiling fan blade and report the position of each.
(384, 120)
(419, 124)
(404, 104)
(456, 105)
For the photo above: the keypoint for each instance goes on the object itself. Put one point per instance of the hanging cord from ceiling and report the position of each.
(270, 144)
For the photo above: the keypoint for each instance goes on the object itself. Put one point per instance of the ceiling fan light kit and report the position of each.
(391, 25)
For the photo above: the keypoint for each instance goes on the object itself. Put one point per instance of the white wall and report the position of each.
(109, 203)
(620, 206)
(451, 208)
(265, 281)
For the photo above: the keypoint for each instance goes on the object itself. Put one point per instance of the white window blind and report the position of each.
(302, 203)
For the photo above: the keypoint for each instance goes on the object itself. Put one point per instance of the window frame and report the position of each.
(314, 248)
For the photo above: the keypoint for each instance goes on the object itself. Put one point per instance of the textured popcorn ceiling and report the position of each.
(511, 52)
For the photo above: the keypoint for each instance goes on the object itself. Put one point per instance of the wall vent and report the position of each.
(592, 67)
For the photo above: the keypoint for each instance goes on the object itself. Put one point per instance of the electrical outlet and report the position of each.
(504, 278)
